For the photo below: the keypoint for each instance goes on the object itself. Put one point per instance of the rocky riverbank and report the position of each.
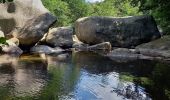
(127, 38)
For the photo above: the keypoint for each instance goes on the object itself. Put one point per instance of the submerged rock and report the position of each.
(46, 49)
(157, 48)
(11, 49)
(120, 32)
(124, 55)
(27, 20)
(59, 37)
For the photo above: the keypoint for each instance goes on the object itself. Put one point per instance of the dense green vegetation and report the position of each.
(3, 1)
(68, 11)
(158, 8)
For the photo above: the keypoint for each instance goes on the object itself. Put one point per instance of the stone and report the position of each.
(59, 37)
(101, 46)
(125, 55)
(11, 49)
(157, 48)
(26, 20)
(13, 41)
(46, 49)
(1, 34)
(120, 32)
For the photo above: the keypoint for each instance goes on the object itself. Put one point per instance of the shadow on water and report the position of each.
(82, 76)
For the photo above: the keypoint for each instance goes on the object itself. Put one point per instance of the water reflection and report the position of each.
(81, 76)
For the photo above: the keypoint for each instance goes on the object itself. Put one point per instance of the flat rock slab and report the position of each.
(157, 48)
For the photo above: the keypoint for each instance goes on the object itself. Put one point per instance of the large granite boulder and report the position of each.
(120, 32)
(59, 37)
(27, 20)
(157, 48)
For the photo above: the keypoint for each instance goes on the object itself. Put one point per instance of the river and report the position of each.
(82, 76)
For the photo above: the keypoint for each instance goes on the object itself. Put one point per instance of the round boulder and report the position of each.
(59, 37)
(120, 32)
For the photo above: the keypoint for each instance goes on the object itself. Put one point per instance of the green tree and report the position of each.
(3, 1)
(59, 9)
(158, 8)
(115, 8)
(78, 8)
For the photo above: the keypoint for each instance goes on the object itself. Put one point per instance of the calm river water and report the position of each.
(82, 76)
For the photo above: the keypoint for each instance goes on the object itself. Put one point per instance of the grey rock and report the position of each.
(13, 41)
(120, 32)
(27, 20)
(59, 37)
(101, 46)
(157, 48)
(2, 34)
(124, 55)
(11, 49)
(105, 46)
(46, 49)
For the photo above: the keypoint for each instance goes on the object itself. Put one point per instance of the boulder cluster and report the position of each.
(26, 26)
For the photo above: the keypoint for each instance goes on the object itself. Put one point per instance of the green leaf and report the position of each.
(2, 40)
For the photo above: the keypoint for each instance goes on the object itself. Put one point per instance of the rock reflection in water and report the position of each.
(80, 75)
(22, 77)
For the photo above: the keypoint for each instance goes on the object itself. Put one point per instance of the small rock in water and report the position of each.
(46, 49)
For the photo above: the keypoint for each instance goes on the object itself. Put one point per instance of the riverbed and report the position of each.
(82, 76)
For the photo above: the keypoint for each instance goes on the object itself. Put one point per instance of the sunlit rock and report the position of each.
(120, 32)
(27, 20)
(13, 41)
(1, 33)
(59, 37)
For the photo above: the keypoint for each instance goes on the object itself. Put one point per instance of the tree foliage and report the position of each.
(158, 8)
(117, 8)
(3, 1)
(60, 9)
(68, 11)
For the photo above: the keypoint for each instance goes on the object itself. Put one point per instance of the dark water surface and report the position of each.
(82, 76)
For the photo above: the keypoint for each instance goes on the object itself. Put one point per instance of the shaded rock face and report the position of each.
(120, 32)
(157, 48)
(59, 37)
(27, 20)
